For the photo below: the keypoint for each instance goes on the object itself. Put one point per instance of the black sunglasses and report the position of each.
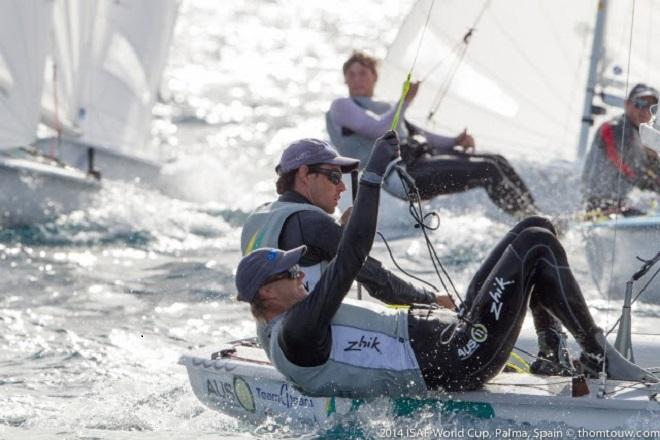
(293, 273)
(641, 104)
(333, 176)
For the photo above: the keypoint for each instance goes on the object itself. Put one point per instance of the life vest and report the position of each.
(371, 355)
(352, 144)
(264, 226)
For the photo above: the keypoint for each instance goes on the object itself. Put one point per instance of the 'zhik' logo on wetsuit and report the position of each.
(372, 343)
(496, 294)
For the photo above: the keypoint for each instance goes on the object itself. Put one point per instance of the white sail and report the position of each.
(24, 39)
(70, 62)
(520, 86)
(111, 55)
(631, 37)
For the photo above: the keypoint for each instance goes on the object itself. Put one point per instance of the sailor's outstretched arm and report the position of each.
(305, 337)
(319, 232)
(347, 113)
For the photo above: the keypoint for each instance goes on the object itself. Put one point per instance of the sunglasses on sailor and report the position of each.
(641, 103)
(333, 176)
(293, 273)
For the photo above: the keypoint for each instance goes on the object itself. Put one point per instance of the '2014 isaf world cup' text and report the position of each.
(467, 433)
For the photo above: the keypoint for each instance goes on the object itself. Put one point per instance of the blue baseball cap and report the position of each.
(261, 264)
(310, 152)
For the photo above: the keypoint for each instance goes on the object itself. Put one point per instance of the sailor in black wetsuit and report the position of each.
(329, 346)
(310, 183)
(433, 160)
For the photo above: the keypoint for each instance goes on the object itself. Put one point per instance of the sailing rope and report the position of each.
(618, 182)
(406, 83)
(413, 193)
(459, 50)
(417, 212)
(633, 300)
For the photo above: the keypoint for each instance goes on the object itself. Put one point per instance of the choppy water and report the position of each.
(96, 306)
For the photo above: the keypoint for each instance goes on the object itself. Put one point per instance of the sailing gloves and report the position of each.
(385, 150)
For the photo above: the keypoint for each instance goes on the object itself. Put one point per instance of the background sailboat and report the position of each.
(33, 188)
(109, 60)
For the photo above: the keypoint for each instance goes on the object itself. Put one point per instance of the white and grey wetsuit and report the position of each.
(354, 123)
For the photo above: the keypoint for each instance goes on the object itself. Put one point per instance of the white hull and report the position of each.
(635, 237)
(33, 192)
(111, 164)
(244, 384)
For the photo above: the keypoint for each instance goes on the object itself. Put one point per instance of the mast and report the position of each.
(596, 54)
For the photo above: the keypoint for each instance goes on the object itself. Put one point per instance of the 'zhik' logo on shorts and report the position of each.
(496, 294)
(478, 335)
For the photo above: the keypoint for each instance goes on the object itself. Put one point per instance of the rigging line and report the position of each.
(642, 290)
(618, 179)
(406, 83)
(446, 83)
(444, 89)
(421, 39)
(417, 213)
(389, 250)
(464, 41)
(435, 67)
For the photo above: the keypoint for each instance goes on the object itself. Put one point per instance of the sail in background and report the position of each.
(111, 59)
(642, 40)
(520, 87)
(24, 40)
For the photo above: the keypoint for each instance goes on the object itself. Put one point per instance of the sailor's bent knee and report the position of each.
(535, 221)
(534, 236)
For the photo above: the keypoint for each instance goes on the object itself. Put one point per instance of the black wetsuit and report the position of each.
(454, 172)
(321, 234)
(528, 264)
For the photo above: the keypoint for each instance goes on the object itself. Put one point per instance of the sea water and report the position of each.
(96, 306)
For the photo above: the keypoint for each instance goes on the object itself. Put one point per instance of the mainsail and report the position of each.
(109, 57)
(24, 39)
(521, 83)
(631, 31)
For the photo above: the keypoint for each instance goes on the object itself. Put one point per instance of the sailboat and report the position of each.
(34, 187)
(519, 89)
(238, 379)
(103, 81)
